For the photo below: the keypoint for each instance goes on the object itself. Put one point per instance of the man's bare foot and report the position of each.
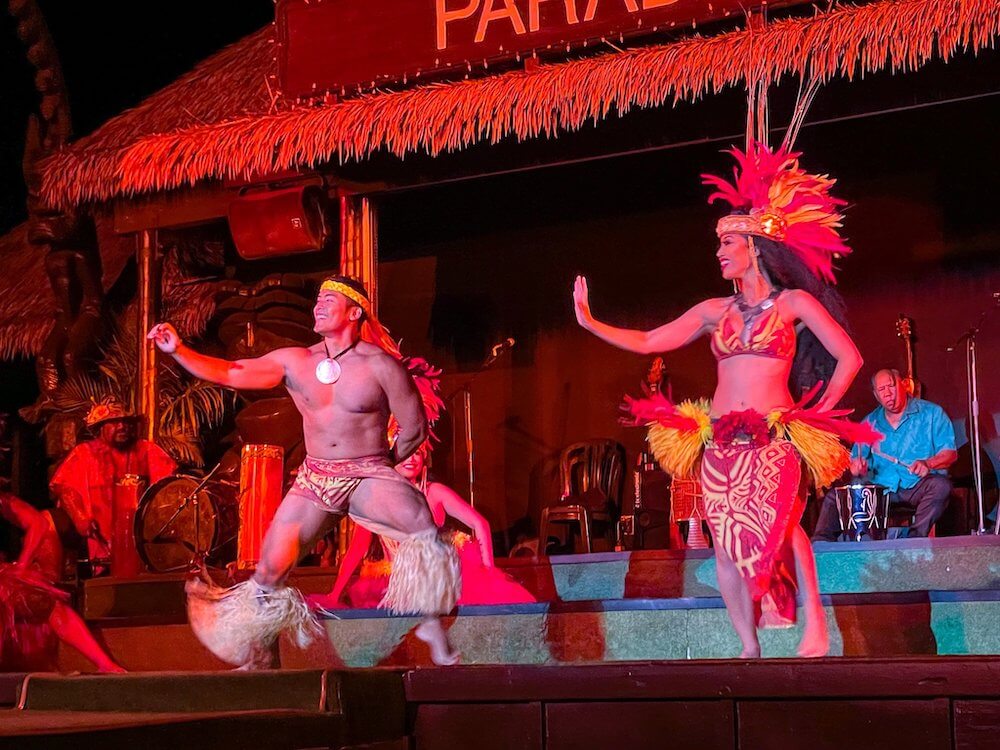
(750, 652)
(432, 633)
(112, 668)
(815, 638)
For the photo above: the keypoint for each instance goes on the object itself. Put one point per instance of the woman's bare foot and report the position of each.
(432, 633)
(112, 668)
(815, 638)
(750, 652)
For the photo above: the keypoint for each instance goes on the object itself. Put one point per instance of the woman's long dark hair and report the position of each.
(813, 363)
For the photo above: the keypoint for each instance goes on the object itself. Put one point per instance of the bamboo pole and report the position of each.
(147, 258)
(359, 260)
(359, 243)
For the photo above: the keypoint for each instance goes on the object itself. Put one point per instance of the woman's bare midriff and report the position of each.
(750, 381)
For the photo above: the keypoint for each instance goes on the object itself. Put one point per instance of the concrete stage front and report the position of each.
(893, 598)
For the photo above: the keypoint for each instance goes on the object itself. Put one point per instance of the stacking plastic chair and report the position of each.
(592, 475)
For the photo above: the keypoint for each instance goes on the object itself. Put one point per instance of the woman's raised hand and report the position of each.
(581, 302)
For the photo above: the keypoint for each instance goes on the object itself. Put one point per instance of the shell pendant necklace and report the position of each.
(328, 370)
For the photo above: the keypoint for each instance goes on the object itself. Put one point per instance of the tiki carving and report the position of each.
(66, 237)
(250, 322)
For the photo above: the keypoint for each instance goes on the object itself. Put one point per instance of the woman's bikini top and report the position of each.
(764, 333)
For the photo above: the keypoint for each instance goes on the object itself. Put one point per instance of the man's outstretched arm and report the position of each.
(260, 373)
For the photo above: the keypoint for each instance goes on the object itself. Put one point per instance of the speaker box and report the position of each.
(652, 510)
(271, 223)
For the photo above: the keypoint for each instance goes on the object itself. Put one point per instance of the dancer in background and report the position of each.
(782, 332)
(482, 581)
(346, 387)
(31, 607)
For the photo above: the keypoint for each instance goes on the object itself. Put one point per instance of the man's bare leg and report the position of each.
(297, 525)
(400, 507)
(70, 628)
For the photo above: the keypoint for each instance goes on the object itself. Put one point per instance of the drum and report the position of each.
(686, 500)
(125, 562)
(262, 475)
(176, 521)
(863, 510)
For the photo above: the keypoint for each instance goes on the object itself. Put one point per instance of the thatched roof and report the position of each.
(26, 303)
(221, 121)
(27, 307)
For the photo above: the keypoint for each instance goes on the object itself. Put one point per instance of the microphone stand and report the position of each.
(466, 393)
(975, 439)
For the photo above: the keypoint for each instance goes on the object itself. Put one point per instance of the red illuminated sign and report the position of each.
(342, 46)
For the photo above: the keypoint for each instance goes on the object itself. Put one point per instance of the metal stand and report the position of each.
(975, 438)
(466, 392)
(198, 555)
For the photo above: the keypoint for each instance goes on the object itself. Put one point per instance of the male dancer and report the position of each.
(346, 386)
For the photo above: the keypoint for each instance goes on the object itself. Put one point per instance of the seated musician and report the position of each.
(910, 462)
(83, 485)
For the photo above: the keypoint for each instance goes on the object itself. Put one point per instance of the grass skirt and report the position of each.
(241, 624)
(426, 577)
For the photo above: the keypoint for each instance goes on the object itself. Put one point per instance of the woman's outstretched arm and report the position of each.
(673, 335)
(461, 511)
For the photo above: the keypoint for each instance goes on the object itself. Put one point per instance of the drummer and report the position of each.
(911, 462)
(83, 485)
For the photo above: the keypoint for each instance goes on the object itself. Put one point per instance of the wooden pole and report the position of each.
(147, 258)
(359, 243)
(359, 260)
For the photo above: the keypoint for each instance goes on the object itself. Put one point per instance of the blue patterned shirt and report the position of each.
(924, 431)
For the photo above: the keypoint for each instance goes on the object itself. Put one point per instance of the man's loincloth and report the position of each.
(329, 483)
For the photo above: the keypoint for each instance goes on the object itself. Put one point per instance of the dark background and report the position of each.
(470, 262)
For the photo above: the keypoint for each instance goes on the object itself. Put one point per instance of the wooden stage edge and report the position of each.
(922, 703)
(934, 703)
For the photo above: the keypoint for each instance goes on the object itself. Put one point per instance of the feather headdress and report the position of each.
(427, 378)
(782, 202)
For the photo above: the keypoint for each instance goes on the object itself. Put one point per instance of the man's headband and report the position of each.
(351, 293)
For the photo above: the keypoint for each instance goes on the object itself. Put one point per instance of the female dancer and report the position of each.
(30, 604)
(783, 330)
(482, 581)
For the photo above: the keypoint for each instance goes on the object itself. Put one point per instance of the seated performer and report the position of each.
(482, 582)
(779, 331)
(30, 604)
(84, 483)
(345, 386)
(911, 462)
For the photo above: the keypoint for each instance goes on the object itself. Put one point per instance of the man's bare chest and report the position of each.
(355, 391)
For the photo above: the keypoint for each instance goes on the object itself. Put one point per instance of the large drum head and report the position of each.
(168, 515)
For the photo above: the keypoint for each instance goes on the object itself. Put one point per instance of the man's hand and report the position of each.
(920, 468)
(859, 466)
(165, 337)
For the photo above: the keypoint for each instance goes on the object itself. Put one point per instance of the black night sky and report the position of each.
(114, 53)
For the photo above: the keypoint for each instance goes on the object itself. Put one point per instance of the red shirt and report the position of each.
(93, 468)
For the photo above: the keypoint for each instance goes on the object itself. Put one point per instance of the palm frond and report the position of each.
(200, 405)
(183, 447)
